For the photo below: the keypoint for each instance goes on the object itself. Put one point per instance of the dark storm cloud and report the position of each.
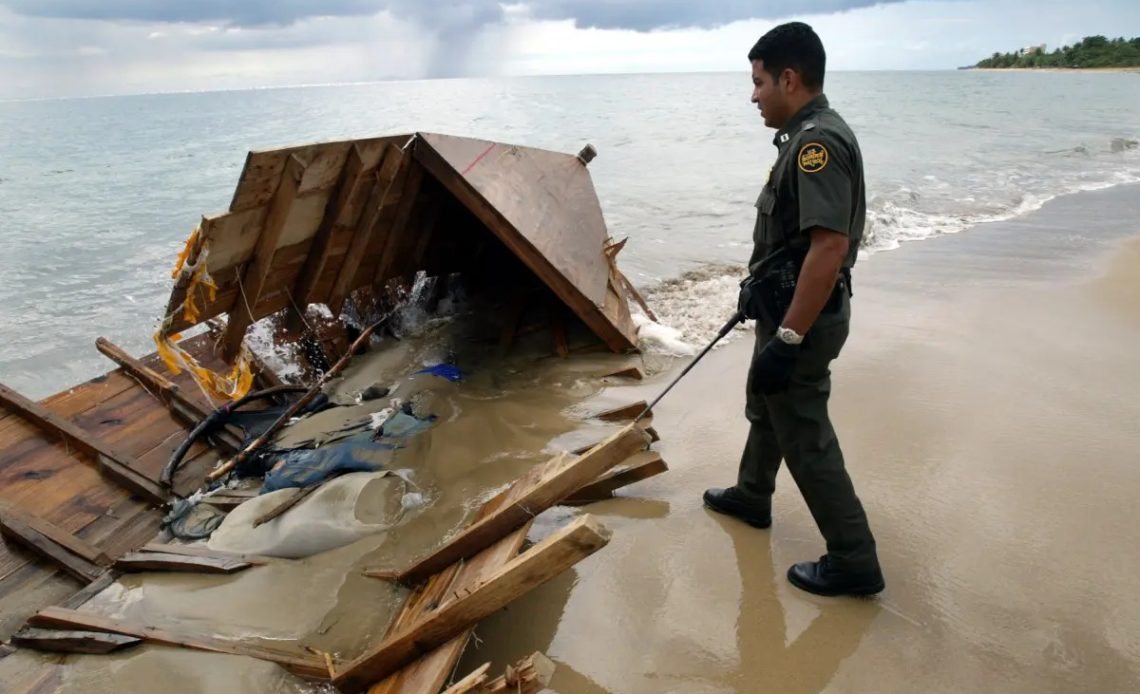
(608, 14)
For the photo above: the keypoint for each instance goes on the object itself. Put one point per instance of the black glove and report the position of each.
(772, 371)
(748, 303)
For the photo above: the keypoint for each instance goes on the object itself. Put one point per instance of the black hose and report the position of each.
(217, 418)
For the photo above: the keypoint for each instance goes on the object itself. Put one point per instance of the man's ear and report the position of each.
(789, 80)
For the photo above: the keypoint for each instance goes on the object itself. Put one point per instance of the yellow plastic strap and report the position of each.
(231, 386)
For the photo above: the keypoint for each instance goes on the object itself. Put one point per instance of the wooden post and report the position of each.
(168, 392)
(114, 465)
(252, 280)
(529, 570)
(541, 488)
(60, 618)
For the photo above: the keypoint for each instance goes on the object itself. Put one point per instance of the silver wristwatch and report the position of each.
(789, 336)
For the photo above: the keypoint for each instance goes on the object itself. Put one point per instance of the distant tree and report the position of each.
(1091, 51)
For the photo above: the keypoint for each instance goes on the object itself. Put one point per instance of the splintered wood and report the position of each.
(534, 567)
(541, 488)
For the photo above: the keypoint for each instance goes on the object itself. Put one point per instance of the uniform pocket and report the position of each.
(767, 233)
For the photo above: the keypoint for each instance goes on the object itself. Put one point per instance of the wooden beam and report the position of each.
(62, 641)
(46, 548)
(252, 279)
(82, 596)
(167, 392)
(116, 466)
(60, 618)
(632, 290)
(394, 241)
(541, 488)
(353, 178)
(163, 561)
(68, 541)
(517, 577)
(389, 175)
(640, 467)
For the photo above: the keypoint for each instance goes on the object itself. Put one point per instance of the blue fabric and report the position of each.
(448, 371)
(305, 467)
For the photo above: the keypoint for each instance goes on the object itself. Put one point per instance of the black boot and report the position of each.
(728, 502)
(824, 578)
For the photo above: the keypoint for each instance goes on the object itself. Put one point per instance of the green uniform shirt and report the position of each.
(817, 181)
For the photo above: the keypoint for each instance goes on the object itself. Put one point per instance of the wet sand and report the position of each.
(989, 408)
(987, 403)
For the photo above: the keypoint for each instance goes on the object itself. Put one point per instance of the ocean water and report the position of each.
(97, 195)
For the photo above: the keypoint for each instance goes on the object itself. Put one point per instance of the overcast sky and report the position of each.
(80, 47)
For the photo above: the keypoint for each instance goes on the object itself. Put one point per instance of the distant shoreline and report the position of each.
(1054, 69)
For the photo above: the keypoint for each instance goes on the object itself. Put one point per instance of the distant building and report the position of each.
(1032, 50)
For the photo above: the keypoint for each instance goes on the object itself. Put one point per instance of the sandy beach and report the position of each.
(987, 406)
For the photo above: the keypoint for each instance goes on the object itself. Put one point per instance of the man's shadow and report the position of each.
(769, 659)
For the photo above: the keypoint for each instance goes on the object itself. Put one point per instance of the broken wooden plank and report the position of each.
(80, 597)
(191, 551)
(632, 290)
(70, 641)
(53, 532)
(166, 561)
(228, 500)
(168, 392)
(389, 176)
(47, 548)
(252, 280)
(60, 618)
(280, 509)
(541, 488)
(639, 467)
(471, 682)
(528, 676)
(624, 413)
(633, 372)
(525, 572)
(113, 464)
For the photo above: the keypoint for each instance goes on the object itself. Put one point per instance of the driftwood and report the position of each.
(62, 641)
(114, 465)
(541, 488)
(529, 570)
(60, 618)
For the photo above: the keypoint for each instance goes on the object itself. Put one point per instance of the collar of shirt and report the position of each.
(809, 109)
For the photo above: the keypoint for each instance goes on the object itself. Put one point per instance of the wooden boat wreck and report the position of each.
(349, 226)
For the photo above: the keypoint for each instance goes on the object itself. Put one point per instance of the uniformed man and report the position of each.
(810, 221)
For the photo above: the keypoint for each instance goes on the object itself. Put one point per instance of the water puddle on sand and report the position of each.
(506, 415)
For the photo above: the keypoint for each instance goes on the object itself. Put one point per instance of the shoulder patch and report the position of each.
(813, 157)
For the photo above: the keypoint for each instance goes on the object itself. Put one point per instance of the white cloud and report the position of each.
(52, 57)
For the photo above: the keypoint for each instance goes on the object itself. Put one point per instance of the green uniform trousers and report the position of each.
(794, 426)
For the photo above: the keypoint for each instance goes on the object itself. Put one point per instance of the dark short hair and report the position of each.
(793, 45)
